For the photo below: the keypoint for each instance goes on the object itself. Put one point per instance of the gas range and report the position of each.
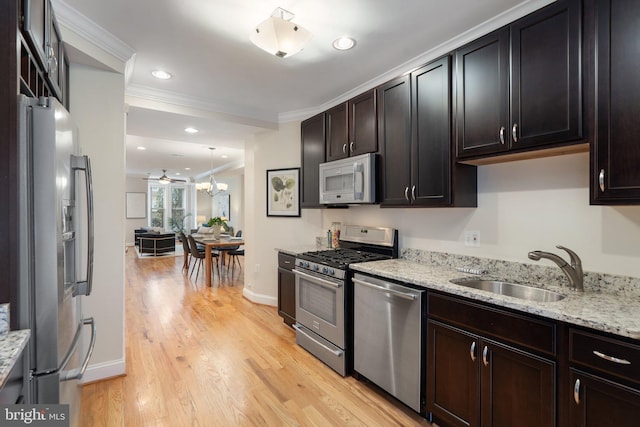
(358, 244)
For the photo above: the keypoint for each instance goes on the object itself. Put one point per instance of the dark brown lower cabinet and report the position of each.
(286, 288)
(472, 381)
(598, 402)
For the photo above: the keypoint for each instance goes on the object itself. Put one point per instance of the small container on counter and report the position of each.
(335, 235)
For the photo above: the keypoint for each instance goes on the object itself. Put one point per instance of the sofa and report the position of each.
(153, 242)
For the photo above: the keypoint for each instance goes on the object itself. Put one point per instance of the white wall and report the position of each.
(522, 206)
(97, 105)
(271, 150)
(134, 185)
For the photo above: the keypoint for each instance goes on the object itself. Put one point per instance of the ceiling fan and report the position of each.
(164, 179)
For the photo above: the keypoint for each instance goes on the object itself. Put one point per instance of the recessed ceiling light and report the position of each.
(160, 74)
(191, 130)
(187, 169)
(177, 173)
(344, 43)
(142, 148)
(224, 156)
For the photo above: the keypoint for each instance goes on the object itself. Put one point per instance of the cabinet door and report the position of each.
(312, 145)
(35, 25)
(363, 129)
(287, 295)
(431, 139)
(482, 84)
(452, 376)
(394, 130)
(337, 132)
(546, 79)
(615, 175)
(597, 402)
(518, 388)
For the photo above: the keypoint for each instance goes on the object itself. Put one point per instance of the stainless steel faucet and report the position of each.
(573, 272)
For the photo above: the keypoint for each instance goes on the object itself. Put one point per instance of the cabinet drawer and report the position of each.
(513, 328)
(609, 355)
(286, 261)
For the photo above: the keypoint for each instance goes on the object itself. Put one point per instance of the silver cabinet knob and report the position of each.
(485, 360)
(514, 132)
(406, 193)
(472, 351)
(576, 392)
(502, 135)
(601, 180)
(344, 148)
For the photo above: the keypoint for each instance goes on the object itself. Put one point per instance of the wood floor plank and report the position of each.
(199, 356)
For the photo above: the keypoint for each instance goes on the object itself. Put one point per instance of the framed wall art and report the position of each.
(283, 192)
(136, 205)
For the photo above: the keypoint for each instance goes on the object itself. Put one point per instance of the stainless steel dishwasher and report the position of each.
(387, 335)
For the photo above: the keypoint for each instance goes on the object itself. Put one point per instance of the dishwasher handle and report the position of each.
(405, 295)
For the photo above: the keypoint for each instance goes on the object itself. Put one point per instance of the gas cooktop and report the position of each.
(341, 258)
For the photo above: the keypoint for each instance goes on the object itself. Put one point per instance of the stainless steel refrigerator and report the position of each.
(55, 250)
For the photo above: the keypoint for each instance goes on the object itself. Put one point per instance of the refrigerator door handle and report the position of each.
(82, 163)
(77, 374)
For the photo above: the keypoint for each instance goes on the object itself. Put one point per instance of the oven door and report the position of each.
(320, 306)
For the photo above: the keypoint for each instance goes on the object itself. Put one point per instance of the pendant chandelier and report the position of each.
(213, 187)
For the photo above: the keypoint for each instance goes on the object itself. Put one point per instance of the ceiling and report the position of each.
(229, 89)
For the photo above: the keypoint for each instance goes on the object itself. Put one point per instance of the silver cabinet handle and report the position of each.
(601, 180)
(406, 193)
(344, 148)
(611, 358)
(502, 135)
(413, 192)
(472, 351)
(485, 362)
(576, 392)
(514, 132)
(351, 147)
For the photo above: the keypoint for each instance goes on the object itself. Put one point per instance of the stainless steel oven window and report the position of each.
(319, 301)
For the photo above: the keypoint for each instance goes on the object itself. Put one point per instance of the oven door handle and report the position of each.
(410, 297)
(299, 329)
(318, 280)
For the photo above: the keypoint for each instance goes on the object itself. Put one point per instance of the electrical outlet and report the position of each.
(256, 268)
(472, 239)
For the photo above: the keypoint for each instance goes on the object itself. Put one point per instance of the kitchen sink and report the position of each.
(515, 290)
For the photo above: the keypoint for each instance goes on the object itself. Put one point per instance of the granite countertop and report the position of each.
(616, 314)
(297, 249)
(11, 346)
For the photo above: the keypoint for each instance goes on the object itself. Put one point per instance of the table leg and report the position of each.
(207, 264)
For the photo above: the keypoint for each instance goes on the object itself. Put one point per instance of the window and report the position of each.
(177, 218)
(156, 204)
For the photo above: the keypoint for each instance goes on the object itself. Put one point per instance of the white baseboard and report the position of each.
(259, 298)
(103, 371)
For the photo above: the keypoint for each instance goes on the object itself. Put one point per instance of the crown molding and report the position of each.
(92, 32)
(498, 21)
(168, 97)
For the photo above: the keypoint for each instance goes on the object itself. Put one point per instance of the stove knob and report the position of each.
(331, 271)
(316, 267)
(325, 270)
(306, 264)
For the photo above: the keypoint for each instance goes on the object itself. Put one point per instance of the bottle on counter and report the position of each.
(328, 238)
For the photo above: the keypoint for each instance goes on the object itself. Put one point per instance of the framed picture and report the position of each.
(283, 192)
(224, 204)
(136, 205)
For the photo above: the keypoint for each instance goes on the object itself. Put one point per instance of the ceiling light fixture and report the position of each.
(213, 187)
(191, 130)
(160, 74)
(344, 43)
(279, 36)
(141, 148)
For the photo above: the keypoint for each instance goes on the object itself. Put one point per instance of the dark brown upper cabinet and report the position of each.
(613, 31)
(520, 88)
(414, 120)
(312, 147)
(352, 127)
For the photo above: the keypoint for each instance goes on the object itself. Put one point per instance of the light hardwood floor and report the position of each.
(200, 356)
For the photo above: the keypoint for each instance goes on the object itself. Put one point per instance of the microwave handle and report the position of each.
(358, 181)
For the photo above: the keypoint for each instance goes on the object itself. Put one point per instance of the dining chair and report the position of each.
(200, 255)
(185, 247)
(230, 249)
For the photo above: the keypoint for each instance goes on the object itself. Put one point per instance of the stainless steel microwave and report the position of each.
(348, 181)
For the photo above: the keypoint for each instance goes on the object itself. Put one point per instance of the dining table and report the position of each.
(210, 243)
